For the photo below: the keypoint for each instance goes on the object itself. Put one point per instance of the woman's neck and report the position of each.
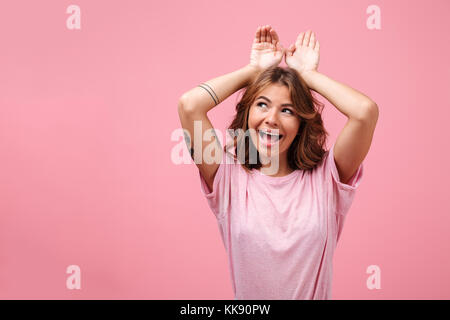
(276, 167)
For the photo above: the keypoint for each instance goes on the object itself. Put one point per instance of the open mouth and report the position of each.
(269, 138)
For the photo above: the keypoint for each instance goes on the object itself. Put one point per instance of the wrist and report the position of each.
(308, 76)
(308, 73)
(251, 71)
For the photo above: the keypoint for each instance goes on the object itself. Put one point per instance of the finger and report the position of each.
(306, 38)
(312, 41)
(258, 35)
(274, 35)
(291, 49)
(280, 48)
(263, 34)
(277, 46)
(274, 41)
(288, 50)
(317, 47)
(299, 41)
(268, 37)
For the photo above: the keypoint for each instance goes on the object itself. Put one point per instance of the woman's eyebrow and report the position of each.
(284, 104)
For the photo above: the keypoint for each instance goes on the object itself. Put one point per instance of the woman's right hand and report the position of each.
(266, 49)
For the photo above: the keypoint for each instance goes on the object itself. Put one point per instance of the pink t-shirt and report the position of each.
(280, 233)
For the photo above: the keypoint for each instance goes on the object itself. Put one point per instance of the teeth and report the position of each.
(275, 137)
(272, 134)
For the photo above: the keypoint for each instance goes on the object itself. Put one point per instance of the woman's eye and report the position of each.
(261, 103)
(290, 111)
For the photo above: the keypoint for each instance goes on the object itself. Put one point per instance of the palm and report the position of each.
(304, 55)
(266, 50)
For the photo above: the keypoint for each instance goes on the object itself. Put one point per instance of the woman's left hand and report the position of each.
(266, 49)
(303, 56)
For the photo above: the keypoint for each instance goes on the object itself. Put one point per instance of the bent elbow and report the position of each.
(370, 111)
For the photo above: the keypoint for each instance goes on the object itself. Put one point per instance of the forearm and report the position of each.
(199, 99)
(347, 100)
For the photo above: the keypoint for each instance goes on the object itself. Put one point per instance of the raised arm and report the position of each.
(193, 107)
(209, 94)
(195, 103)
(353, 143)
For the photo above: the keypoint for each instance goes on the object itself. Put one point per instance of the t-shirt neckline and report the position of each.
(275, 179)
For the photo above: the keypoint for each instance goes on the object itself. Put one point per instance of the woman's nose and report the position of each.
(272, 118)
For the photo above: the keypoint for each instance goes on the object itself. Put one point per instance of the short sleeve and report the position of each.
(219, 199)
(343, 193)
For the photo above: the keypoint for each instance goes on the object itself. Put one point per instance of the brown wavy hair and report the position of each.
(306, 150)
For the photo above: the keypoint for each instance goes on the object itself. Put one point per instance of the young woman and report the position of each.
(280, 217)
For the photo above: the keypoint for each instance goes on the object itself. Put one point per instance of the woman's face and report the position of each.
(273, 110)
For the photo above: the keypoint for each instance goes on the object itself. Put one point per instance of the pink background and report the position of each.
(86, 118)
